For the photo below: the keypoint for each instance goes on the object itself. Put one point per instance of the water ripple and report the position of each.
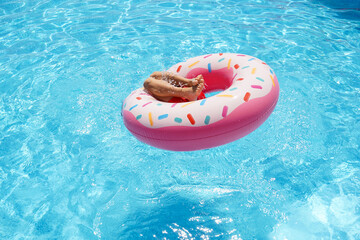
(70, 169)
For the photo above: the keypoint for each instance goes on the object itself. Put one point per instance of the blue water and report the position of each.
(69, 169)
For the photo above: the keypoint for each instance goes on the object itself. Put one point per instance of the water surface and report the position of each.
(69, 169)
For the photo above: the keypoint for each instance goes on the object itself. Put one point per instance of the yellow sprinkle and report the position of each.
(225, 95)
(150, 119)
(229, 63)
(253, 71)
(191, 65)
(187, 104)
(272, 79)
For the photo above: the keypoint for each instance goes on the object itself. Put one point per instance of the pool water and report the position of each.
(69, 169)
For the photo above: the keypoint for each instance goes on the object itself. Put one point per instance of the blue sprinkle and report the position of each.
(202, 102)
(251, 59)
(221, 59)
(245, 67)
(178, 120)
(271, 71)
(163, 116)
(159, 104)
(209, 67)
(260, 79)
(138, 117)
(207, 120)
(133, 107)
(233, 89)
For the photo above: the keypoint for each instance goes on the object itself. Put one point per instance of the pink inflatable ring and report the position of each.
(250, 93)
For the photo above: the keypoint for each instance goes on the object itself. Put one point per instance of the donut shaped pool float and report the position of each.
(249, 93)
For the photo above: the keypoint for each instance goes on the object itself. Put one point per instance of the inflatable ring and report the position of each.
(250, 91)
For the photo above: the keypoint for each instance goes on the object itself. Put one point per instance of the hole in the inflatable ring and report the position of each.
(215, 80)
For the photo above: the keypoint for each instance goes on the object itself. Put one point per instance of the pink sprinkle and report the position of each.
(256, 86)
(224, 112)
(146, 104)
(240, 55)
(233, 77)
(207, 56)
(173, 105)
(144, 94)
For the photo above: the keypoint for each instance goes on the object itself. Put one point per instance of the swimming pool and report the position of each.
(69, 169)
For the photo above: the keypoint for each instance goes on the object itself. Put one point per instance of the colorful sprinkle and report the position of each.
(159, 104)
(260, 79)
(138, 117)
(193, 64)
(271, 71)
(202, 102)
(178, 69)
(272, 79)
(246, 97)
(236, 66)
(178, 120)
(163, 116)
(245, 67)
(264, 63)
(239, 79)
(146, 104)
(133, 107)
(144, 94)
(221, 59)
(187, 104)
(174, 105)
(150, 119)
(209, 67)
(191, 119)
(232, 89)
(207, 120)
(225, 110)
(208, 56)
(234, 77)
(229, 62)
(220, 54)
(251, 59)
(138, 98)
(253, 71)
(242, 55)
(225, 95)
(256, 86)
